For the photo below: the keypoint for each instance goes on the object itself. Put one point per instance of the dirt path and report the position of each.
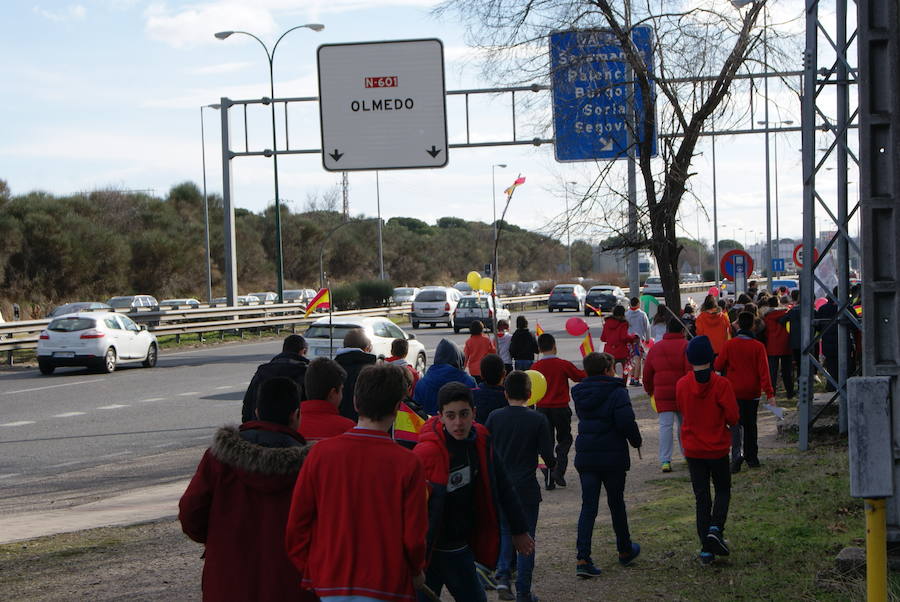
(156, 561)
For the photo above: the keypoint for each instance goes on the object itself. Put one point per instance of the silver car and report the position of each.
(434, 305)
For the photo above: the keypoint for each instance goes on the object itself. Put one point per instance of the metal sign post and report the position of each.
(382, 105)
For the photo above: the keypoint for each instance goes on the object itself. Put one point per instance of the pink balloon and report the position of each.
(820, 302)
(576, 327)
(714, 291)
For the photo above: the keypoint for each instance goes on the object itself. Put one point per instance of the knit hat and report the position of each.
(699, 351)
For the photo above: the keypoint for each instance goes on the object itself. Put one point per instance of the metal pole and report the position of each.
(568, 231)
(715, 212)
(777, 225)
(768, 257)
(231, 286)
(634, 276)
(279, 262)
(842, 117)
(380, 240)
(496, 258)
(206, 206)
(876, 551)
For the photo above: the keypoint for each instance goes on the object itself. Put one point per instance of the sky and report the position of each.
(107, 94)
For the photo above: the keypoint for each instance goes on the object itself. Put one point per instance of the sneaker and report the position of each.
(485, 576)
(634, 383)
(715, 542)
(753, 463)
(549, 483)
(627, 558)
(529, 597)
(736, 465)
(559, 480)
(667, 467)
(504, 591)
(707, 557)
(586, 569)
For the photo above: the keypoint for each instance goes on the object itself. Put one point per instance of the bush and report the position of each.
(345, 296)
(709, 275)
(374, 293)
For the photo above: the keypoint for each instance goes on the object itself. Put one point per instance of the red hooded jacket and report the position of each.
(744, 361)
(707, 410)
(714, 324)
(615, 335)
(666, 362)
(778, 339)
(319, 419)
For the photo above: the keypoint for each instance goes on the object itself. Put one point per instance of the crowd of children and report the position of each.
(464, 501)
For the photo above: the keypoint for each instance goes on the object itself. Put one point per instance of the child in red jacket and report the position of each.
(555, 404)
(743, 360)
(477, 346)
(707, 405)
(665, 364)
(778, 347)
(615, 335)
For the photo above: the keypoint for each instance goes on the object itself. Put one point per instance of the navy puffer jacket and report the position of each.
(606, 424)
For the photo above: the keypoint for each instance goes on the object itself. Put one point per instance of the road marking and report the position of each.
(122, 453)
(68, 414)
(189, 393)
(114, 406)
(80, 382)
(19, 423)
(9, 475)
(163, 445)
(73, 462)
(153, 399)
(226, 387)
(203, 438)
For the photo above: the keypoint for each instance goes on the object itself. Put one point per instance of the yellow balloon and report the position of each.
(486, 284)
(538, 386)
(474, 279)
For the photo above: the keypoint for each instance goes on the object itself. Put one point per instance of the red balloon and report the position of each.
(576, 327)
(714, 291)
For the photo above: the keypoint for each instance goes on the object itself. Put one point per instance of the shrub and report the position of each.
(345, 296)
(374, 293)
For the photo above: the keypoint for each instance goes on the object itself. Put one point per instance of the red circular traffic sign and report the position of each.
(726, 265)
(798, 255)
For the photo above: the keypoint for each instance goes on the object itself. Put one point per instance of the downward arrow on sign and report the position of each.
(336, 155)
(434, 152)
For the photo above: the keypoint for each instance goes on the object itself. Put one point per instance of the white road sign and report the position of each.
(382, 105)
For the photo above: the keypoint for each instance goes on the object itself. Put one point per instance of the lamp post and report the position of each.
(279, 261)
(568, 228)
(380, 239)
(206, 203)
(494, 205)
(777, 224)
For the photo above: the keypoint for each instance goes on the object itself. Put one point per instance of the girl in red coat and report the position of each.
(615, 335)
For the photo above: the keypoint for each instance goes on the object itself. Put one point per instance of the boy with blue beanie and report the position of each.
(708, 408)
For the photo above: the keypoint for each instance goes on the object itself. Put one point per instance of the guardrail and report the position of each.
(24, 335)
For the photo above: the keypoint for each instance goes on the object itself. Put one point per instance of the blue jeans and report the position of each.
(456, 570)
(524, 564)
(666, 422)
(614, 482)
(523, 364)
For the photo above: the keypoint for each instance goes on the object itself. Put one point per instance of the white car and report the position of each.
(267, 297)
(380, 331)
(239, 300)
(97, 340)
(653, 286)
(404, 294)
(477, 307)
(179, 304)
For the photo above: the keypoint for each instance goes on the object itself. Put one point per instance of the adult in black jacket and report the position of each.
(606, 425)
(830, 337)
(353, 357)
(290, 363)
(523, 345)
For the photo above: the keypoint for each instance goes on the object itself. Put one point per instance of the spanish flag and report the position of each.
(407, 424)
(587, 345)
(594, 309)
(537, 329)
(519, 181)
(321, 300)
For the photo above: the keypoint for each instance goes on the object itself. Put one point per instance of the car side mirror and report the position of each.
(410, 336)
(143, 327)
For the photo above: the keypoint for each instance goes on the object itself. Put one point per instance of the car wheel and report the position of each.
(108, 363)
(456, 329)
(420, 364)
(586, 313)
(152, 356)
(46, 367)
(415, 325)
(550, 310)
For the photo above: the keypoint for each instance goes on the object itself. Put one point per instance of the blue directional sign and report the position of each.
(777, 264)
(590, 91)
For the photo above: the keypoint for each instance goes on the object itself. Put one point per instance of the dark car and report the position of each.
(566, 296)
(604, 297)
(78, 307)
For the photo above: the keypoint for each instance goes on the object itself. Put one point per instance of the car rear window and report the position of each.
(71, 324)
(564, 289)
(320, 331)
(431, 296)
(120, 302)
(470, 302)
(653, 281)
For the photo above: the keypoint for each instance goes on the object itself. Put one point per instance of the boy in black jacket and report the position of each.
(606, 425)
(523, 345)
(520, 434)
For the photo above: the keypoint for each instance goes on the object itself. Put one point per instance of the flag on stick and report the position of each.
(519, 181)
(587, 345)
(321, 300)
(407, 424)
(594, 309)
(537, 329)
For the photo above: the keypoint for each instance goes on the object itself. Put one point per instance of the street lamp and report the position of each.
(206, 203)
(494, 205)
(279, 261)
(777, 224)
(568, 229)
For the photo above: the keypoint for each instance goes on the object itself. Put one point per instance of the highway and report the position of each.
(77, 430)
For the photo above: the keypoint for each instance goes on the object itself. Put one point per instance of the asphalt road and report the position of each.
(136, 426)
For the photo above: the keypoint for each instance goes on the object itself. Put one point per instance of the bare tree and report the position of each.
(327, 201)
(700, 47)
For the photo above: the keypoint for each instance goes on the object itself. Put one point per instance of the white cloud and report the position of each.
(197, 24)
(220, 68)
(73, 12)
